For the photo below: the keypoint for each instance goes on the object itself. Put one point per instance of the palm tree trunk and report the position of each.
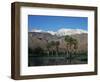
(70, 54)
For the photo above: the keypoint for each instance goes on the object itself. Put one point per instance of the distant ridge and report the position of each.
(62, 31)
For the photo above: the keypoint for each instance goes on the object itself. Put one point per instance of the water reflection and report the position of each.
(45, 61)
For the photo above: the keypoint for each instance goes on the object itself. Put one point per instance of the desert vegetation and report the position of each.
(53, 54)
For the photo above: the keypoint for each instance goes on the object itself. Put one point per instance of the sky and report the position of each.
(54, 23)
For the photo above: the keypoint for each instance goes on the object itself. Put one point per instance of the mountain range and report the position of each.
(39, 38)
(62, 31)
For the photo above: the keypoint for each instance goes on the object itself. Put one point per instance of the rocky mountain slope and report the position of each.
(40, 39)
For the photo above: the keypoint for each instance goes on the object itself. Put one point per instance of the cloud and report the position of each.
(36, 30)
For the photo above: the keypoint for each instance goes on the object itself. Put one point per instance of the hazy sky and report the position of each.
(53, 23)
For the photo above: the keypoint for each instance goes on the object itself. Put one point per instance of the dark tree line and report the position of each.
(52, 47)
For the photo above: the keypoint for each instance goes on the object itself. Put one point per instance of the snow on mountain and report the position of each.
(51, 32)
(63, 31)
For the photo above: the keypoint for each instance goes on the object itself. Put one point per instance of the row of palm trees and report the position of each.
(52, 47)
(71, 46)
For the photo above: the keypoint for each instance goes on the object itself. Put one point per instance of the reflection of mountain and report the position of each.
(40, 39)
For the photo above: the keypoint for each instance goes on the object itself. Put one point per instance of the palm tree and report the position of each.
(48, 48)
(57, 43)
(52, 44)
(75, 43)
(70, 42)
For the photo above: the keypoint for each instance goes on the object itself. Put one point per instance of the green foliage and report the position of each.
(71, 41)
